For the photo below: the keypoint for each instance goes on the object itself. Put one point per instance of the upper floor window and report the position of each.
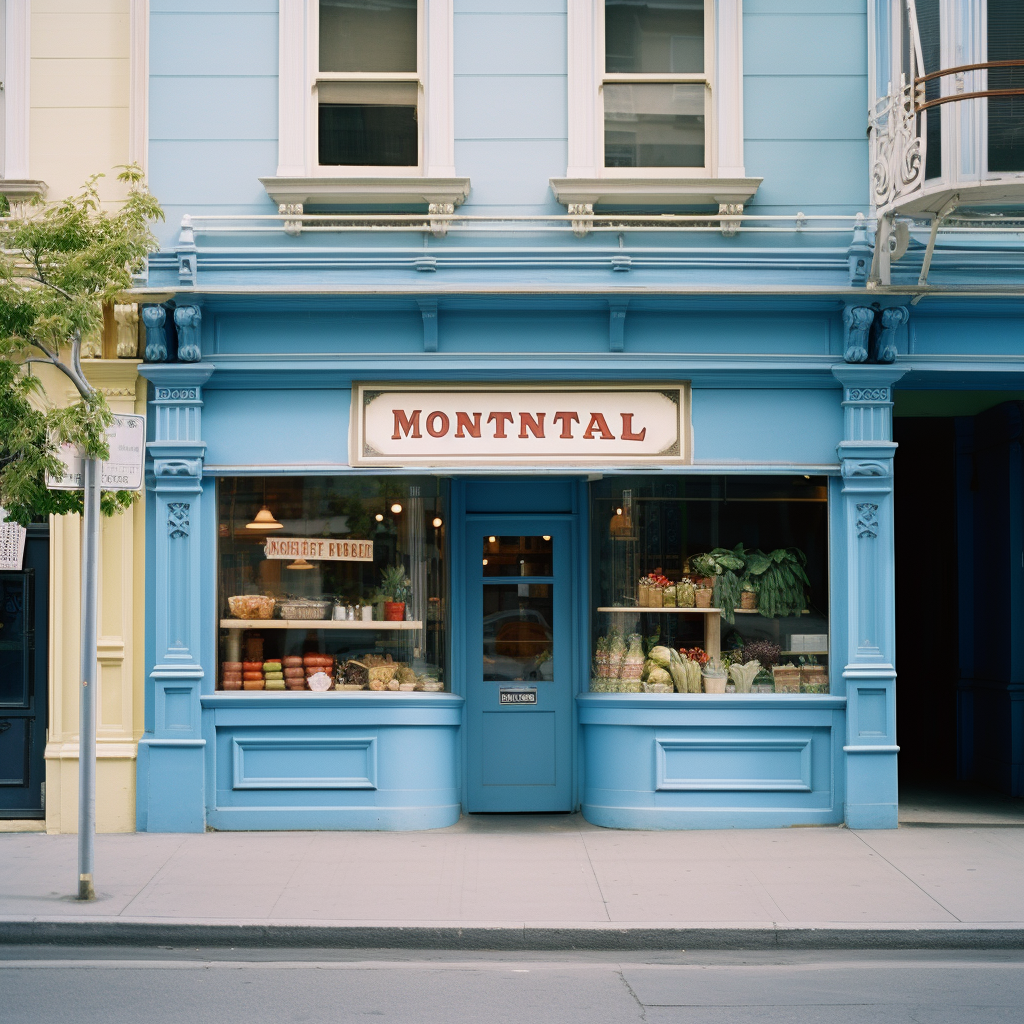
(368, 83)
(656, 85)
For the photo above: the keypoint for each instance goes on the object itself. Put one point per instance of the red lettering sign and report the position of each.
(463, 422)
(599, 423)
(534, 424)
(627, 428)
(433, 418)
(499, 419)
(409, 424)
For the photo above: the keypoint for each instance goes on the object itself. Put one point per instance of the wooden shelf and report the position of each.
(316, 624)
(622, 609)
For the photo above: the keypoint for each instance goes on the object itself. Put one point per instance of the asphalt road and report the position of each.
(241, 986)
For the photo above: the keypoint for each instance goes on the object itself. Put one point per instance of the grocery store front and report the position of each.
(382, 605)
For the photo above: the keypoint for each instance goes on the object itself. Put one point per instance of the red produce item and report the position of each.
(252, 666)
(252, 676)
(292, 661)
(231, 684)
(253, 684)
(231, 666)
(294, 673)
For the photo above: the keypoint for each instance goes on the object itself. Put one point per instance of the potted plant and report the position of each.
(725, 567)
(702, 597)
(394, 585)
(748, 596)
(779, 580)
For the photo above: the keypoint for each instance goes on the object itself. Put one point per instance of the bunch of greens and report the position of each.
(779, 580)
(764, 652)
(725, 566)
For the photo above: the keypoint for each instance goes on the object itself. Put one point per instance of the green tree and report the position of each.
(59, 263)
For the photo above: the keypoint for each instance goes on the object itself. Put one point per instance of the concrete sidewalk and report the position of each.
(527, 882)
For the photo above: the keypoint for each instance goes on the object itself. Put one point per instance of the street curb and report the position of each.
(116, 931)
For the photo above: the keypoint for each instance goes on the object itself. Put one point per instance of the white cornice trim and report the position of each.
(366, 191)
(17, 76)
(654, 191)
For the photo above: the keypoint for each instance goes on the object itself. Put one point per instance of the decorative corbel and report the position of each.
(126, 316)
(428, 309)
(187, 319)
(291, 227)
(730, 228)
(438, 214)
(155, 320)
(857, 322)
(617, 324)
(890, 321)
(581, 228)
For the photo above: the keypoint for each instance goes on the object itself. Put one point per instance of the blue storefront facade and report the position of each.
(536, 302)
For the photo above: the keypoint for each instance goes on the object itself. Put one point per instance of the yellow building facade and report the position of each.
(74, 104)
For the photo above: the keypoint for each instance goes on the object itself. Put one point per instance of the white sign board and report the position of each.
(577, 425)
(123, 471)
(12, 544)
(319, 549)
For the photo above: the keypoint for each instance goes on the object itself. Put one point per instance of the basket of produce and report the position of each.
(304, 608)
(251, 606)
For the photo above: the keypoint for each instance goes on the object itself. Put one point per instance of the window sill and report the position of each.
(642, 191)
(366, 191)
(20, 189)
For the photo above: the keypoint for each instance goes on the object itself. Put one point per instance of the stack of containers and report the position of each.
(252, 675)
(313, 663)
(230, 675)
(273, 675)
(294, 673)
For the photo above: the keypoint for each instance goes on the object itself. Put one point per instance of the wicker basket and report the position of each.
(251, 606)
(305, 609)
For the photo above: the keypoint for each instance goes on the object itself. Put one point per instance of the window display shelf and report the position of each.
(660, 611)
(317, 624)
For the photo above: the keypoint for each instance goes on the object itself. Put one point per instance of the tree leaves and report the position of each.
(59, 263)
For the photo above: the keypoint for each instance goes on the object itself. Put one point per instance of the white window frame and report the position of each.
(299, 74)
(723, 74)
(705, 78)
(16, 77)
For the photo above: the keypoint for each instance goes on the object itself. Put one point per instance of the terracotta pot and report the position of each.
(703, 598)
(748, 600)
(394, 611)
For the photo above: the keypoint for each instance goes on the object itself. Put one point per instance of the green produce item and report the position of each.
(271, 666)
(677, 670)
(692, 676)
(661, 656)
(743, 675)
(275, 684)
(659, 675)
(273, 675)
(685, 594)
(668, 597)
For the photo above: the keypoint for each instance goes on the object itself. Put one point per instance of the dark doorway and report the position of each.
(24, 639)
(927, 655)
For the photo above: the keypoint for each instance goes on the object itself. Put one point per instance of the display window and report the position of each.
(710, 584)
(332, 584)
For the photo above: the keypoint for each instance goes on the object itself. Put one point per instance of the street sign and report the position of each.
(12, 544)
(123, 471)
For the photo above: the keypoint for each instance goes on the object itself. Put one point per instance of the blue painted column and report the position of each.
(866, 457)
(170, 794)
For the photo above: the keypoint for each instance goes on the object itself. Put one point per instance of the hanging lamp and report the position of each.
(300, 563)
(264, 519)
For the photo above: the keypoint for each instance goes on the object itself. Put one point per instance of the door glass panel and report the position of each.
(13, 656)
(517, 556)
(518, 635)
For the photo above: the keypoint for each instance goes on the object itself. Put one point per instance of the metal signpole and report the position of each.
(87, 700)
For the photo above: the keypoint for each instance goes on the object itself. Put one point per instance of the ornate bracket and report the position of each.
(867, 519)
(188, 319)
(155, 319)
(857, 321)
(177, 519)
(126, 316)
(899, 152)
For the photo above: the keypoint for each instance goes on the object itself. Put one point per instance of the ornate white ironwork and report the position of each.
(898, 167)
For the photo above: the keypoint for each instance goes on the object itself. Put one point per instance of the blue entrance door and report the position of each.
(518, 662)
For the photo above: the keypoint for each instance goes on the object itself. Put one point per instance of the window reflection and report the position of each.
(517, 632)
(517, 556)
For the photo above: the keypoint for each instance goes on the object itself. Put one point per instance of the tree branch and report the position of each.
(45, 284)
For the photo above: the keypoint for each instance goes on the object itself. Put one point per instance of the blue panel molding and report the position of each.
(753, 754)
(243, 746)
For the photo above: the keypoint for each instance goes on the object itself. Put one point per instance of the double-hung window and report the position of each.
(656, 84)
(655, 105)
(368, 88)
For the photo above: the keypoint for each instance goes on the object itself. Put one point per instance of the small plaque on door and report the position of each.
(519, 695)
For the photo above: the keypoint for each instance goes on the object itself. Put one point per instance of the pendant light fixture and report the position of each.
(264, 519)
(300, 563)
